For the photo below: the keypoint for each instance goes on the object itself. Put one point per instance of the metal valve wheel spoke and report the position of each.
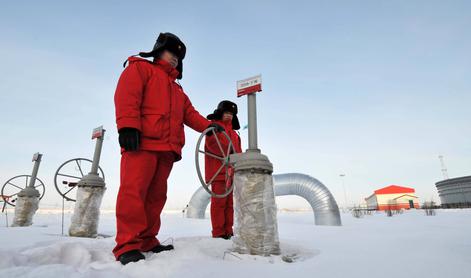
(79, 167)
(215, 175)
(69, 174)
(211, 155)
(20, 188)
(71, 188)
(229, 149)
(11, 188)
(9, 196)
(217, 141)
(225, 163)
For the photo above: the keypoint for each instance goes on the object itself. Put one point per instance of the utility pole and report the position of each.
(444, 170)
(342, 176)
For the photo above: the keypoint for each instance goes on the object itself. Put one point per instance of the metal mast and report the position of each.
(444, 170)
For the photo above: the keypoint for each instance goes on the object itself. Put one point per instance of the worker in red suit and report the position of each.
(151, 109)
(222, 211)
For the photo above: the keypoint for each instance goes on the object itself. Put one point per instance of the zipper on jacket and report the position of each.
(170, 114)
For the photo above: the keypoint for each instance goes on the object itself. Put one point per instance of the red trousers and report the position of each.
(222, 211)
(141, 198)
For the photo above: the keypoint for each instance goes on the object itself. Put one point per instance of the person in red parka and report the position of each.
(222, 211)
(151, 109)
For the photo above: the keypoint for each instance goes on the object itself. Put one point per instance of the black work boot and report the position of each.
(131, 257)
(228, 236)
(160, 248)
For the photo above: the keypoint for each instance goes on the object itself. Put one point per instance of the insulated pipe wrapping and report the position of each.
(85, 219)
(326, 211)
(24, 211)
(198, 204)
(256, 228)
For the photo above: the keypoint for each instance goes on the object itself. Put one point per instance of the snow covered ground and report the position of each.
(409, 244)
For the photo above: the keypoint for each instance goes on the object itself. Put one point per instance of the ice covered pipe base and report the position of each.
(91, 189)
(26, 206)
(256, 226)
(28, 198)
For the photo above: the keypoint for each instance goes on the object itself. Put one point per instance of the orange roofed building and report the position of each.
(393, 197)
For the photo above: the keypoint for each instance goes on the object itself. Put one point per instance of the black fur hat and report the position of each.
(226, 106)
(170, 42)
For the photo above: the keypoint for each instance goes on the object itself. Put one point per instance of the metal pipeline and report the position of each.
(324, 206)
(198, 204)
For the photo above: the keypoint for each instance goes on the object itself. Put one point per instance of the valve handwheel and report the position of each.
(69, 174)
(13, 186)
(223, 156)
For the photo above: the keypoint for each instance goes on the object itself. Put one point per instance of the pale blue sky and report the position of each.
(373, 89)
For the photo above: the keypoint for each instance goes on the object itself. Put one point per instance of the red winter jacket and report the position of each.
(148, 98)
(212, 164)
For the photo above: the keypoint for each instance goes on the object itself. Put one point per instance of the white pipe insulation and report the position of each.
(326, 211)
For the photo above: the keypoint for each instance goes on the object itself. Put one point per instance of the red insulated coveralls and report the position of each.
(222, 210)
(148, 98)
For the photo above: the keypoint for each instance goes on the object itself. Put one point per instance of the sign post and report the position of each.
(98, 134)
(249, 87)
(256, 227)
(90, 192)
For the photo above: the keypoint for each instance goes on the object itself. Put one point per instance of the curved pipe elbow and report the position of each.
(322, 202)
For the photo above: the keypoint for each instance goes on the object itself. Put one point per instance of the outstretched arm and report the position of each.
(193, 118)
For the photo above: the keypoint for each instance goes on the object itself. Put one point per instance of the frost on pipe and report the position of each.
(87, 211)
(326, 211)
(24, 211)
(256, 229)
(198, 204)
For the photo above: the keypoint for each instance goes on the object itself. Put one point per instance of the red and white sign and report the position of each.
(97, 132)
(36, 156)
(249, 85)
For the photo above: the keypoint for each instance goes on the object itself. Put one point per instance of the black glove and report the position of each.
(129, 138)
(218, 128)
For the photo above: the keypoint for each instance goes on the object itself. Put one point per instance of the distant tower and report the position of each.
(344, 191)
(444, 170)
